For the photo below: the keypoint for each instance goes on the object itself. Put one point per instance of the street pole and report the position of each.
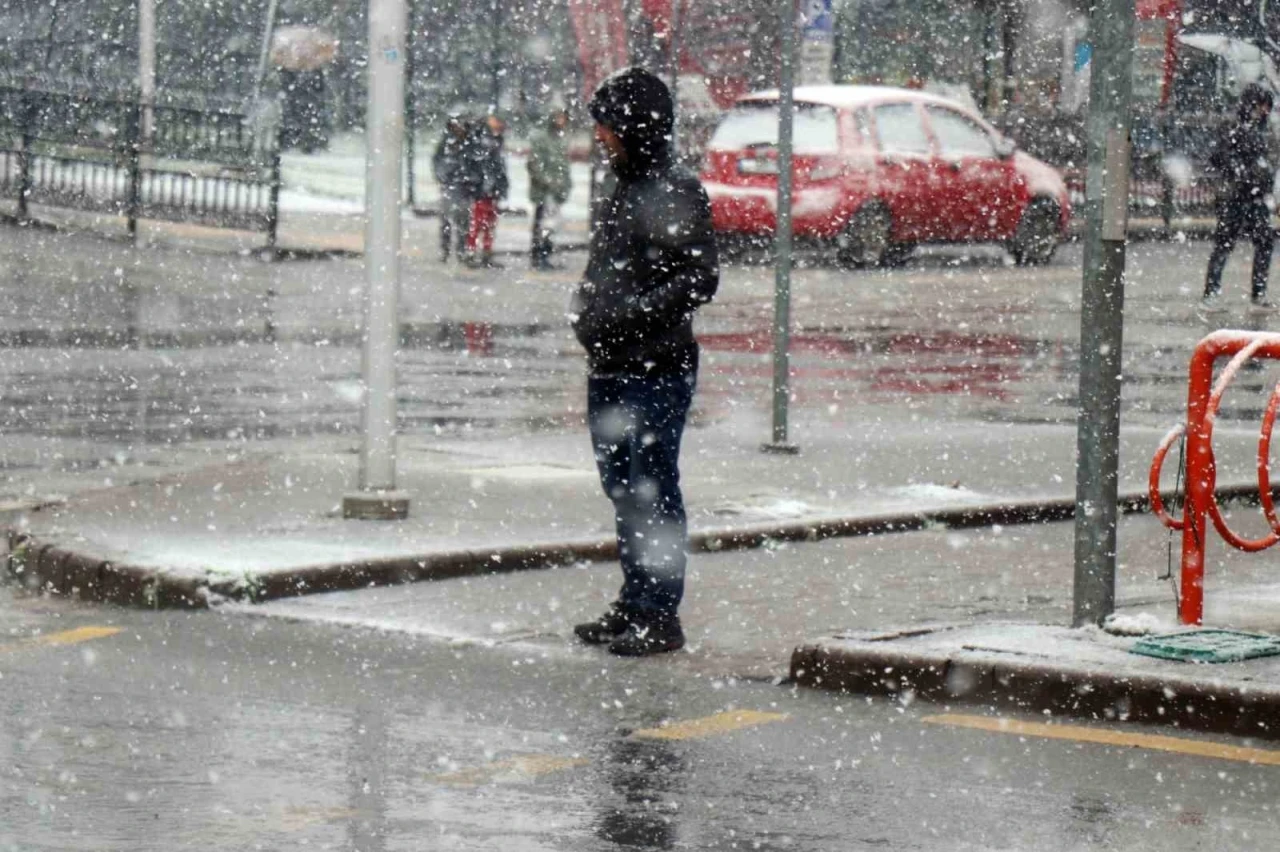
(410, 108)
(147, 67)
(53, 29)
(268, 25)
(378, 498)
(782, 235)
(496, 69)
(1102, 310)
(674, 25)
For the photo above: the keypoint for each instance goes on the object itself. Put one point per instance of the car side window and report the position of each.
(959, 136)
(899, 130)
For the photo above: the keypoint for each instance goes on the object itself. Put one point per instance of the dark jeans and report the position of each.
(540, 240)
(636, 423)
(1237, 218)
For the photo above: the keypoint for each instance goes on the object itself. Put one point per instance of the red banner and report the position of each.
(601, 27)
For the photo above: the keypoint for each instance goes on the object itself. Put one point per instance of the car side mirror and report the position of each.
(1005, 148)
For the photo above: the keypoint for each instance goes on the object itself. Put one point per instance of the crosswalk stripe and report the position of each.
(522, 766)
(1106, 736)
(720, 723)
(65, 637)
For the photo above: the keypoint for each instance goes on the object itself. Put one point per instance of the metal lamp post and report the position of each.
(378, 498)
(1102, 310)
(782, 237)
(147, 65)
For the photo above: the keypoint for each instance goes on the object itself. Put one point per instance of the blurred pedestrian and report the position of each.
(549, 185)
(1242, 165)
(451, 165)
(490, 165)
(652, 264)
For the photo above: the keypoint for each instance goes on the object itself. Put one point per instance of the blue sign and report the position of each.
(819, 18)
(1084, 52)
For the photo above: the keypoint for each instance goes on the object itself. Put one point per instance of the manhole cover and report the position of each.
(1208, 646)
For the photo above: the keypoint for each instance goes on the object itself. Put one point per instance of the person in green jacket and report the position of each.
(549, 184)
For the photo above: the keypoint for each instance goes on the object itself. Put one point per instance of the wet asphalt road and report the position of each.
(204, 731)
(112, 354)
(217, 732)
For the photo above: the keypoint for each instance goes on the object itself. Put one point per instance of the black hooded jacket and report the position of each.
(653, 253)
(1241, 157)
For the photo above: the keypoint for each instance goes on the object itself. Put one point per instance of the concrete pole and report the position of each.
(268, 26)
(147, 67)
(782, 234)
(674, 25)
(378, 498)
(1111, 26)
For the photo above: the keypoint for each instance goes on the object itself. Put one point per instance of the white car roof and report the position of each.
(849, 97)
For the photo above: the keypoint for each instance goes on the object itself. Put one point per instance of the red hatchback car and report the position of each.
(879, 170)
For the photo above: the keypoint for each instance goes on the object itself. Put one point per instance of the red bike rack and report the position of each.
(1203, 398)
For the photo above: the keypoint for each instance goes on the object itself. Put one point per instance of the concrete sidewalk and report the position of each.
(267, 523)
(931, 548)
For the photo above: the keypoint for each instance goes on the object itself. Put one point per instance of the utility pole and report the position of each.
(673, 25)
(496, 69)
(53, 29)
(378, 498)
(782, 234)
(410, 107)
(1111, 26)
(147, 67)
(267, 27)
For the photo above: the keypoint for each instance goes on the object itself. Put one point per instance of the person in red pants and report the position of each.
(491, 166)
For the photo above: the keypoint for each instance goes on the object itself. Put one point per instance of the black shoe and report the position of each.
(604, 629)
(489, 263)
(642, 638)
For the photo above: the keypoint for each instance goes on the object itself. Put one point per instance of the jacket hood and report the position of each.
(637, 106)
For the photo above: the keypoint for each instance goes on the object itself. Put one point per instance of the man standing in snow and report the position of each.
(1242, 164)
(652, 265)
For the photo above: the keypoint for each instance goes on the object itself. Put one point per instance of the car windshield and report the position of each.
(753, 124)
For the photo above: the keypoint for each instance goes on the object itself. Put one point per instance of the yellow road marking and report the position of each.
(720, 723)
(533, 765)
(521, 767)
(1103, 736)
(298, 817)
(65, 637)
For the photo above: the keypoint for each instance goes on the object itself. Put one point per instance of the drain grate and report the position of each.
(1208, 646)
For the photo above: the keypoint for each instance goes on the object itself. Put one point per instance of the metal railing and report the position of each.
(205, 164)
(1204, 396)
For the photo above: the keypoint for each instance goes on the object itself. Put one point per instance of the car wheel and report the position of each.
(865, 239)
(1037, 236)
(898, 254)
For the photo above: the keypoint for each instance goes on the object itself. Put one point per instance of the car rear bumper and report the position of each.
(816, 210)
